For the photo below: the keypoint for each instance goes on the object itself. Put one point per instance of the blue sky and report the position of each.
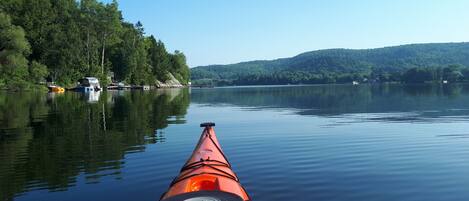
(231, 31)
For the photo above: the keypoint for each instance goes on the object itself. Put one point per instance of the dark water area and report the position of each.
(324, 142)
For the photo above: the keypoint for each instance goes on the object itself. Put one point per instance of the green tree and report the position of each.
(143, 73)
(37, 72)
(109, 25)
(418, 75)
(130, 56)
(179, 68)
(14, 48)
(452, 73)
(158, 58)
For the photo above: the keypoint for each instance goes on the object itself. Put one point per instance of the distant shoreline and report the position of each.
(332, 84)
(414, 63)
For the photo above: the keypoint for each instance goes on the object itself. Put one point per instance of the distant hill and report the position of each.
(338, 65)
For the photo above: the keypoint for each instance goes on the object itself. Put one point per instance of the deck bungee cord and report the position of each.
(207, 174)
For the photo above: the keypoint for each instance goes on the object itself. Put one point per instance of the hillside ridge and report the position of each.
(332, 65)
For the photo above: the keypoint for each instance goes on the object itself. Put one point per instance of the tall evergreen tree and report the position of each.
(159, 59)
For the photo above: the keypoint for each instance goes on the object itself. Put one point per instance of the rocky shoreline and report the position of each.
(172, 82)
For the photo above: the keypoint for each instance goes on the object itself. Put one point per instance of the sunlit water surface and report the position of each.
(332, 142)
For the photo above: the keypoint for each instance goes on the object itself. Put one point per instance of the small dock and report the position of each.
(118, 86)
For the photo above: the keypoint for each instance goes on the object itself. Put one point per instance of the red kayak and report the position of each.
(207, 175)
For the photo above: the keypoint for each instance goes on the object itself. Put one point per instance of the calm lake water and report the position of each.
(331, 142)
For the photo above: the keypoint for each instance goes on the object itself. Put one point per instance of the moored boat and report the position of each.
(56, 89)
(207, 175)
(88, 84)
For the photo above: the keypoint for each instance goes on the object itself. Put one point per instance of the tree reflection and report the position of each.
(332, 100)
(46, 141)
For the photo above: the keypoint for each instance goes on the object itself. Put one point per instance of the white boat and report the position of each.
(88, 84)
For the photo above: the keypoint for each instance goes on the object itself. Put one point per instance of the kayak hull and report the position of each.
(207, 174)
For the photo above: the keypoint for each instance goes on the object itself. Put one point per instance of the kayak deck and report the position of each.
(207, 175)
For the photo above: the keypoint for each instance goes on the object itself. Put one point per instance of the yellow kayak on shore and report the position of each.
(56, 89)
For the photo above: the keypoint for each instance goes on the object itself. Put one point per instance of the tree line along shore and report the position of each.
(449, 74)
(65, 40)
(414, 63)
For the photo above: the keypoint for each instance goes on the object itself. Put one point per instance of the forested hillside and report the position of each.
(407, 63)
(65, 40)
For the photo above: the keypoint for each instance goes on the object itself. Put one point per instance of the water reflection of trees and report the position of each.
(327, 100)
(45, 142)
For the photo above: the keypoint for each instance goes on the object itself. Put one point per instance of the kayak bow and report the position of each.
(207, 175)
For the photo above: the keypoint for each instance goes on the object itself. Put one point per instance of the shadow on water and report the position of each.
(46, 141)
(393, 103)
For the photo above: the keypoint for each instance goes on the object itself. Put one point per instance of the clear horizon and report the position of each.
(212, 32)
